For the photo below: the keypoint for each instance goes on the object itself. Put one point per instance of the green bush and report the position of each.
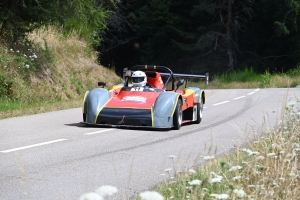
(294, 72)
(5, 87)
(247, 75)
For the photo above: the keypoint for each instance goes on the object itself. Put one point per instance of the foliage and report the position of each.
(204, 36)
(5, 87)
(295, 71)
(265, 169)
(247, 75)
(17, 18)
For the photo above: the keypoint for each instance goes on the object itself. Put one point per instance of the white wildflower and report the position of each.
(208, 157)
(216, 180)
(271, 154)
(274, 183)
(250, 153)
(220, 196)
(91, 196)
(192, 171)
(168, 169)
(17, 51)
(291, 103)
(205, 189)
(292, 174)
(107, 190)
(151, 195)
(195, 182)
(257, 186)
(260, 158)
(236, 178)
(27, 66)
(11, 50)
(34, 56)
(234, 168)
(240, 192)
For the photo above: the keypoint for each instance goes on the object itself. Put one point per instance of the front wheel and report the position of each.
(199, 112)
(177, 117)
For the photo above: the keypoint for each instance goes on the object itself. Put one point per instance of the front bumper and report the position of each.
(124, 126)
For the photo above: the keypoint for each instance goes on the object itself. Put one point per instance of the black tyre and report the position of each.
(177, 117)
(84, 117)
(199, 112)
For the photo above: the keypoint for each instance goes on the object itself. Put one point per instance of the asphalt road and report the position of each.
(52, 156)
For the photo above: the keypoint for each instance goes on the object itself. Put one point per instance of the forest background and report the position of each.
(188, 36)
(48, 49)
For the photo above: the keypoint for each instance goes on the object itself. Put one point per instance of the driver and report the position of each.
(139, 79)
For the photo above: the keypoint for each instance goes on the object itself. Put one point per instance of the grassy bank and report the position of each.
(48, 71)
(267, 168)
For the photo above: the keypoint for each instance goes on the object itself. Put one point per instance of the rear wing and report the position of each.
(164, 71)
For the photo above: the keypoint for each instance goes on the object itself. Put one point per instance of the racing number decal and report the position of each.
(137, 89)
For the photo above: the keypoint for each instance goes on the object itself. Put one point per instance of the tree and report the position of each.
(22, 16)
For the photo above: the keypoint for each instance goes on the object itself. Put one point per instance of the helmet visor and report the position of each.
(137, 79)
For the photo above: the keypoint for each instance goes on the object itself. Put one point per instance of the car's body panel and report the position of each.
(94, 103)
(164, 108)
(151, 107)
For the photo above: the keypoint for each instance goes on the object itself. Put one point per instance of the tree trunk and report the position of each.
(228, 37)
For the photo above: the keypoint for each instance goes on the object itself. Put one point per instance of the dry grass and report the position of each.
(63, 69)
(75, 65)
(267, 168)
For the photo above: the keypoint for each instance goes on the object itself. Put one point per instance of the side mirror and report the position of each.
(128, 73)
(102, 84)
(179, 83)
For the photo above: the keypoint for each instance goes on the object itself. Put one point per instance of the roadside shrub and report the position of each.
(247, 75)
(5, 87)
(294, 72)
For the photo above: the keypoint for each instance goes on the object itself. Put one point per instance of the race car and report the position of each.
(148, 98)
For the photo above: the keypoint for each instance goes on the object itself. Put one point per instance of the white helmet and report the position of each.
(139, 79)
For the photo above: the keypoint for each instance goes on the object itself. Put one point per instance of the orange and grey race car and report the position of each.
(150, 98)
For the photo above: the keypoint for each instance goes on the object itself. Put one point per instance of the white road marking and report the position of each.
(239, 97)
(34, 145)
(91, 133)
(250, 93)
(220, 103)
(256, 90)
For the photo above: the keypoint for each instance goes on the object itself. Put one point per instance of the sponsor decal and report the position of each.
(137, 89)
(134, 99)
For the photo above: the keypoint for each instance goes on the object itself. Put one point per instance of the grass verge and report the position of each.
(267, 168)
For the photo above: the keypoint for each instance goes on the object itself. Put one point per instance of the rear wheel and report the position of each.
(199, 112)
(177, 117)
